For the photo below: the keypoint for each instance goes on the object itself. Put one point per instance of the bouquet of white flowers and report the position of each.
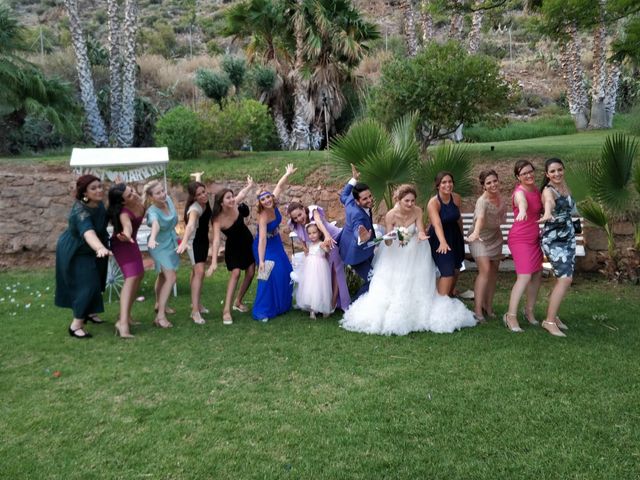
(403, 234)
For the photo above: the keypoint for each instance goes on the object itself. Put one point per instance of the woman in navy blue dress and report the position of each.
(275, 291)
(445, 233)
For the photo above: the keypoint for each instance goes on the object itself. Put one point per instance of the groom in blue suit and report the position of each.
(358, 228)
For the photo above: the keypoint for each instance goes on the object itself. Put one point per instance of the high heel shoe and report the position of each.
(561, 325)
(505, 320)
(532, 321)
(241, 308)
(556, 332)
(162, 322)
(119, 332)
(197, 318)
(73, 333)
(93, 318)
(487, 314)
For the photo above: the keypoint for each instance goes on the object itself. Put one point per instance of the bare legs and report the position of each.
(525, 282)
(127, 296)
(446, 285)
(555, 299)
(164, 284)
(485, 286)
(197, 276)
(231, 288)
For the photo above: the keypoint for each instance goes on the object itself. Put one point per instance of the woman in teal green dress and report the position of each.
(162, 243)
(81, 257)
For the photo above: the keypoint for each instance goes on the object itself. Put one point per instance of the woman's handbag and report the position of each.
(577, 226)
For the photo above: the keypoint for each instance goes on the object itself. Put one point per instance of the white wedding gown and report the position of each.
(402, 296)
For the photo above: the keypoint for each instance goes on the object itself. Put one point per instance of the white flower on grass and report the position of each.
(42, 306)
(47, 289)
(12, 300)
(28, 305)
(2, 299)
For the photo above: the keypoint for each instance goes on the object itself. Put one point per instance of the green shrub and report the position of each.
(243, 124)
(236, 69)
(215, 85)
(517, 130)
(634, 120)
(181, 130)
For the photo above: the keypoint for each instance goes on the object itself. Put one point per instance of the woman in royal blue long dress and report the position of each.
(274, 294)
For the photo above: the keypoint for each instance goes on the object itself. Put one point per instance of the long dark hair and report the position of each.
(547, 164)
(116, 202)
(293, 206)
(440, 176)
(192, 189)
(217, 202)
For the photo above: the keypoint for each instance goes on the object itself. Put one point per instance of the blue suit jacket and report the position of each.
(350, 251)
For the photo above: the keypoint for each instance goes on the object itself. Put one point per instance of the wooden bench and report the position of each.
(467, 221)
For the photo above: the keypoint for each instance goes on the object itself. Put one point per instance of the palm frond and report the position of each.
(454, 159)
(578, 175)
(636, 177)
(363, 138)
(593, 212)
(613, 172)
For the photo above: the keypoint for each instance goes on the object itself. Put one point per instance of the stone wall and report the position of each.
(35, 201)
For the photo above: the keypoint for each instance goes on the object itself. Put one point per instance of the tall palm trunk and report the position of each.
(573, 75)
(115, 68)
(427, 22)
(300, 132)
(476, 25)
(95, 123)
(281, 127)
(599, 80)
(457, 22)
(611, 93)
(410, 27)
(126, 125)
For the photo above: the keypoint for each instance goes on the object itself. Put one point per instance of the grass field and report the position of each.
(304, 399)
(268, 166)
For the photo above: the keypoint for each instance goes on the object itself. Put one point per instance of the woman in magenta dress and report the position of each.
(125, 213)
(524, 244)
(299, 217)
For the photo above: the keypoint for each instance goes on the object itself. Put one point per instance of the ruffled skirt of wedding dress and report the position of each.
(402, 296)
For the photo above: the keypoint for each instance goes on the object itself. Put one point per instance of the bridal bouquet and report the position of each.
(403, 235)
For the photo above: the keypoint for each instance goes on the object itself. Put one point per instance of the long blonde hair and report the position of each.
(146, 195)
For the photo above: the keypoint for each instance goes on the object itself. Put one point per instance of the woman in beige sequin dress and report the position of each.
(485, 242)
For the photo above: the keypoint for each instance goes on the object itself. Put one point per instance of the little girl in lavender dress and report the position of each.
(314, 290)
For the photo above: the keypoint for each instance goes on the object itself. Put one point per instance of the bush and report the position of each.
(517, 130)
(244, 124)
(181, 130)
(215, 85)
(634, 120)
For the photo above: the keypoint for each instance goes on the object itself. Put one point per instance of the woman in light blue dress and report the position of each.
(162, 243)
(274, 294)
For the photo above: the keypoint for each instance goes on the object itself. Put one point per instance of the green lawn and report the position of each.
(268, 166)
(304, 399)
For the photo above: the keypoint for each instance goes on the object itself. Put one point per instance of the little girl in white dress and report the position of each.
(314, 288)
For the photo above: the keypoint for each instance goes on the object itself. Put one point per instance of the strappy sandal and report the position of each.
(197, 318)
(75, 335)
(557, 333)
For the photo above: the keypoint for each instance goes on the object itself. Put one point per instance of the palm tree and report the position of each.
(384, 159)
(25, 90)
(607, 189)
(95, 123)
(336, 40)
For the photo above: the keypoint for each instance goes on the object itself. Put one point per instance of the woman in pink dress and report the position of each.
(125, 213)
(524, 244)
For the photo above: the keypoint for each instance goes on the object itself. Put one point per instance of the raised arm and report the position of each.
(155, 228)
(215, 246)
(422, 234)
(329, 242)
(191, 227)
(549, 201)
(283, 180)
(521, 202)
(127, 229)
(243, 193)
(345, 196)
(94, 242)
(433, 208)
(262, 239)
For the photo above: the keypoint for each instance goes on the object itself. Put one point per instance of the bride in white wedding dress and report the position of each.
(402, 297)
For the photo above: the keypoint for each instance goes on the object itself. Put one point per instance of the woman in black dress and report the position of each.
(228, 217)
(197, 217)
